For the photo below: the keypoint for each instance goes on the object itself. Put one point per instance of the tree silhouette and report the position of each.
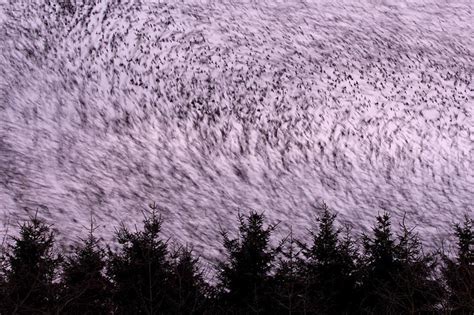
(85, 288)
(30, 270)
(327, 275)
(245, 277)
(379, 265)
(288, 279)
(415, 288)
(140, 272)
(187, 286)
(459, 272)
(329, 268)
(399, 278)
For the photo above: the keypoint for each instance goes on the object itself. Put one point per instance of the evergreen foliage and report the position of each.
(328, 275)
(459, 272)
(187, 286)
(415, 290)
(141, 271)
(85, 288)
(398, 276)
(288, 279)
(379, 264)
(30, 270)
(245, 275)
(329, 269)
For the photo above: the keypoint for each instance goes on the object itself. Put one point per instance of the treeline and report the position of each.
(330, 272)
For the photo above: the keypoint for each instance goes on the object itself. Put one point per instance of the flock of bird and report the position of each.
(210, 109)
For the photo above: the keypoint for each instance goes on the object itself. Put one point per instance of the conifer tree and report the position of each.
(85, 288)
(379, 265)
(415, 289)
(459, 272)
(187, 286)
(245, 277)
(288, 279)
(399, 277)
(140, 272)
(30, 270)
(329, 269)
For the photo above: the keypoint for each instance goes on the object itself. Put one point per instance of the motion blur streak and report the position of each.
(209, 108)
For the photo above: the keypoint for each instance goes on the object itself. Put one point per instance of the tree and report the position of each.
(187, 286)
(245, 277)
(459, 272)
(85, 288)
(379, 265)
(329, 268)
(140, 272)
(288, 279)
(30, 270)
(415, 288)
(399, 278)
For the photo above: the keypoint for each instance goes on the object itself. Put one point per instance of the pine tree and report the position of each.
(379, 265)
(288, 280)
(31, 268)
(85, 288)
(245, 277)
(398, 277)
(187, 286)
(329, 268)
(415, 289)
(140, 272)
(459, 272)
